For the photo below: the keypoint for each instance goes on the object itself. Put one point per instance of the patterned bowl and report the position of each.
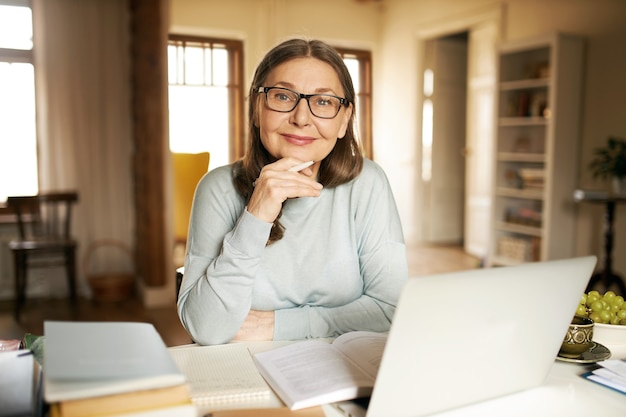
(578, 338)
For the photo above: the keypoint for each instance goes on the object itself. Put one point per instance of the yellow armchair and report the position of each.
(188, 169)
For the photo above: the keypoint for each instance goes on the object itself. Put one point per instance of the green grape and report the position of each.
(607, 308)
(597, 306)
(594, 293)
(595, 317)
(608, 295)
(592, 298)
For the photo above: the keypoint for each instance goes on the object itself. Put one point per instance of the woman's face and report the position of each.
(299, 134)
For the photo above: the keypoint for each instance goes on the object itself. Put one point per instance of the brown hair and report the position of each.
(343, 163)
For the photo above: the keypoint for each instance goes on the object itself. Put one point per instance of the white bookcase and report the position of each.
(537, 148)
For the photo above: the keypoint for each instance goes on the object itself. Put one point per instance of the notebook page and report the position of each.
(220, 375)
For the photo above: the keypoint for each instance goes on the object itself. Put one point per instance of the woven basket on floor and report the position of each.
(109, 286)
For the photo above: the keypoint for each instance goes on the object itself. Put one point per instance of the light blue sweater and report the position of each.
(340, 266)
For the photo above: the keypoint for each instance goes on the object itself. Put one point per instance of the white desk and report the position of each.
(564, 393)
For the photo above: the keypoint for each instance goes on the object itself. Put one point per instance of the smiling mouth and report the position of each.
(299, 140)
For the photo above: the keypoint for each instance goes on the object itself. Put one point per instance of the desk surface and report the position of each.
(564, 393)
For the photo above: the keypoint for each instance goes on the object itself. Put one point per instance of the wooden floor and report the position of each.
(423, 260)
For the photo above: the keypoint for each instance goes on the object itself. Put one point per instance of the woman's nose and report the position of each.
(301, 115)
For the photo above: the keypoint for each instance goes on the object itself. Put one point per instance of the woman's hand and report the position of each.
(259, 325)
(276, 184)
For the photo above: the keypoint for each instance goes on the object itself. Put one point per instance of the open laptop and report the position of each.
(465, 337)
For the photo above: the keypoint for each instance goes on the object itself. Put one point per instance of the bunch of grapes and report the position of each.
(609, 308)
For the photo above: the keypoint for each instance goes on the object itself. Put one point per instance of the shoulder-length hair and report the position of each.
(343, 163)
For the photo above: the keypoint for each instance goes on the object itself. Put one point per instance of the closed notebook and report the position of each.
(90, 359)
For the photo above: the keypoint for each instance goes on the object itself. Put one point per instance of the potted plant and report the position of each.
(609, 163)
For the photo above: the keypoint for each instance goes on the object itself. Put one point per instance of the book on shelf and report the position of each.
(103, 360)
(315, 372)
(532, 177)
(221, 376)
(610, 373)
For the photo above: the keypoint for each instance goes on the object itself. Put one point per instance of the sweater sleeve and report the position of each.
(383, 267)
(225, 245)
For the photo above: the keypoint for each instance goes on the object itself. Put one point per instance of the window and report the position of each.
(18, 138)
(206, 97)
(359, 65)
(427, 125)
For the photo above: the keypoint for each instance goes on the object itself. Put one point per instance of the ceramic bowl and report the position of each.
(578, 338)
(612, 336)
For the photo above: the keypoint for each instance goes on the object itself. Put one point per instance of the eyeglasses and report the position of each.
(284, 100)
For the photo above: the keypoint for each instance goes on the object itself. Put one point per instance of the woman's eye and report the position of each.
(323, 101)
(282, 97)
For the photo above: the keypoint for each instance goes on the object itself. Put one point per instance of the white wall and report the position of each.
(261, 24)
(392, 30)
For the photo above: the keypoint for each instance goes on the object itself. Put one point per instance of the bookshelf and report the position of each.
(537, 147)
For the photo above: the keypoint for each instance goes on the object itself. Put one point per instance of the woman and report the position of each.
(280, 248)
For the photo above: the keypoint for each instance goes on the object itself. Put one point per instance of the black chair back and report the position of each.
(46, 216)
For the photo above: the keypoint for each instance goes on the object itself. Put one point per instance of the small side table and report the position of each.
(606, 277)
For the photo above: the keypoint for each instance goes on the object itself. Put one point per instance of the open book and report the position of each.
(315, 372)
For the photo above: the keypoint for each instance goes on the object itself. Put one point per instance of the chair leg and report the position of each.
(20, 282)
(70, 265)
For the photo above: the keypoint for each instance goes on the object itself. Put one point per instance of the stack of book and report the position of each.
(111, 369)
(532, 178)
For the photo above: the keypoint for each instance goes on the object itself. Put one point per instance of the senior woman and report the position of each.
(301, 238)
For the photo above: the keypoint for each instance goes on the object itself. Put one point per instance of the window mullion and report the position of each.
(16, 55)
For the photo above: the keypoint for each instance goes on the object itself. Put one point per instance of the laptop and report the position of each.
(465, 337)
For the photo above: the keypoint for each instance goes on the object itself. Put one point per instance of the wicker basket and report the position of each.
(113, 286)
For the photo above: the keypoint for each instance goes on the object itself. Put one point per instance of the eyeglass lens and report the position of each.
(284, 100)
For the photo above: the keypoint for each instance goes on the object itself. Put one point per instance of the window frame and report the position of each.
(364, 112)
(235, 86)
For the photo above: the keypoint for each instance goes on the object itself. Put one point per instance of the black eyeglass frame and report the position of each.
(342, 100)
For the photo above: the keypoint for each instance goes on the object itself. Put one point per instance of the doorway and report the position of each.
(457, 196)
(443, 138)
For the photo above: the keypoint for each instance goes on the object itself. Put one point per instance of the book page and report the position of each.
(312, 373)
(219, 375)
(616, 365)
(364, 348)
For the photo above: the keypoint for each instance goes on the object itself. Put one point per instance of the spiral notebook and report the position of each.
(221, 376)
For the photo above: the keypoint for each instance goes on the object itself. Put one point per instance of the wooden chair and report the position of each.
(43, 222)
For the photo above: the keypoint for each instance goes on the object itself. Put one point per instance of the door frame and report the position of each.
(449, 25)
